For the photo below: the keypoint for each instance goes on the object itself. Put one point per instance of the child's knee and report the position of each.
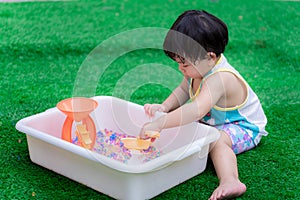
(223, 141)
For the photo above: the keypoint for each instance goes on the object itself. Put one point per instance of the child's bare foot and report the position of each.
(228, 190)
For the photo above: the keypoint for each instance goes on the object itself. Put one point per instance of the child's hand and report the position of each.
(148, 127)
(150, 109)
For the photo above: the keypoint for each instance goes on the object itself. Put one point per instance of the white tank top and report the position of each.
(248, 115)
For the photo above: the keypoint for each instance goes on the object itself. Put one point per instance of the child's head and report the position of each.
(193, 34)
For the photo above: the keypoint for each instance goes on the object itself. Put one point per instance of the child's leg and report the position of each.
(225, 164)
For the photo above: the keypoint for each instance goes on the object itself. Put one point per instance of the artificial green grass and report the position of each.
(44, 44)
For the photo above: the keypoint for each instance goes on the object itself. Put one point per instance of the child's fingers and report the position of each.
(153, 110)
(150, 109)
(147, 108)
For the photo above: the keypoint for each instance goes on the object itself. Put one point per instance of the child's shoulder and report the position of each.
(224, 68)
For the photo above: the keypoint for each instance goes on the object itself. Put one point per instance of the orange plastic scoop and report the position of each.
(136, 143)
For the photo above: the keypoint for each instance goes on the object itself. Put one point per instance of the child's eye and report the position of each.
(179, 59)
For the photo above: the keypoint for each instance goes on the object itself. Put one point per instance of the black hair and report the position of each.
(193, 34)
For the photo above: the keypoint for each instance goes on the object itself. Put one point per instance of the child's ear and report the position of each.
(212, 55)
(212, 58)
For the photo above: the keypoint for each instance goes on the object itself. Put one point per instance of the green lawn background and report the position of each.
(43, 45)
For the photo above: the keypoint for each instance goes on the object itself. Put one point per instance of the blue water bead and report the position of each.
(113, 137)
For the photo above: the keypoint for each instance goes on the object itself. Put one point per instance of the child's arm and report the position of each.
(177, 98)
(212, 90)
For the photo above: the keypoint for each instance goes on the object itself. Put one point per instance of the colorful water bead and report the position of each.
(109, 144)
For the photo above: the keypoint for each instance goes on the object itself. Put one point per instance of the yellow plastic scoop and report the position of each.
(141, 144)
(136, 143)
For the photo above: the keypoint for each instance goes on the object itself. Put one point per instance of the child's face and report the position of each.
(197, 70)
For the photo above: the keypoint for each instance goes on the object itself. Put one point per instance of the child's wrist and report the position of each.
(165, 108)
(158, 124)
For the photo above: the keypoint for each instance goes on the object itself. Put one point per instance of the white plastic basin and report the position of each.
(184, 151)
